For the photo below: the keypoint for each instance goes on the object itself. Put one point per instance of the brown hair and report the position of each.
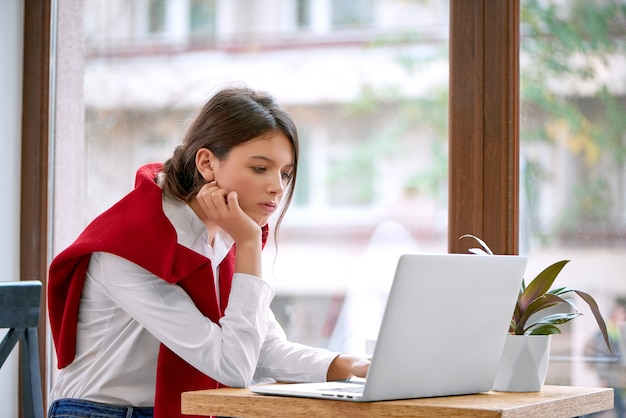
(231, 117)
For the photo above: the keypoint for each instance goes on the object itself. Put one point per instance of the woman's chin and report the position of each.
(263, 222)
(260, 220)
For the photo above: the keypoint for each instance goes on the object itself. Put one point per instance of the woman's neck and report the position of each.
(212, 228)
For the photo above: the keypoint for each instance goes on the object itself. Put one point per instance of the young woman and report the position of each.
(163, 293)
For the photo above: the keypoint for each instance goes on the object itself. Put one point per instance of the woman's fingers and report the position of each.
(232, 200)
(221, 207)
(211, 198)
(219, 199)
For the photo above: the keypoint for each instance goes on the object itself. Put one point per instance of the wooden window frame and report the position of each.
(34, 162)
(483, 133)
(484, 124)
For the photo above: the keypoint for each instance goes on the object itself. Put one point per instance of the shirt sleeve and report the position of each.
(285, 361)
(228, 352)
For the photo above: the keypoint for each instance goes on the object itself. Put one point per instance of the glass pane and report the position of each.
(201, 17)
(353, 13)
(303, 13)
(156, 17)
(573, 136)
(371, 111)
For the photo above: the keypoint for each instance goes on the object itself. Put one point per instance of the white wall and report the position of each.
(11, 42)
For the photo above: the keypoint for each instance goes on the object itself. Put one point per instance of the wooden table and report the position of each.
(551, 401)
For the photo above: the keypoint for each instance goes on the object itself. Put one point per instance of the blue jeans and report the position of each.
(79, 408)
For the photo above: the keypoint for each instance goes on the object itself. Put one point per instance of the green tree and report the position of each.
(570, 53)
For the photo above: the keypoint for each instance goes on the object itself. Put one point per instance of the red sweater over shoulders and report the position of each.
(135, 228)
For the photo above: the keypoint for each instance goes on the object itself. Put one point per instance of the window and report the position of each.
(201, 18)
(353, 13)
(157, 16)
(466, 211)
(372, 122)
(303, 14)
(573, 142)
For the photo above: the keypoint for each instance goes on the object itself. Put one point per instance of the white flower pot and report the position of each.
(524, 363)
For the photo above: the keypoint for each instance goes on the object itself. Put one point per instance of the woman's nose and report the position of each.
(277, 185)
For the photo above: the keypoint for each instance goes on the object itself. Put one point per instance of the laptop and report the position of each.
(442, 333)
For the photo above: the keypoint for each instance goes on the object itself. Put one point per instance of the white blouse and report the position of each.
(125, 312)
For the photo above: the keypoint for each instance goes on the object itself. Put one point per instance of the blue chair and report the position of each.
(19, 312)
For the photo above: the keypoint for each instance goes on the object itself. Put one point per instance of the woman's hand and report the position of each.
(345, 366)
(221, 208)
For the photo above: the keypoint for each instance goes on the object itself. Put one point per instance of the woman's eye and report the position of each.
(259, 169)
(286, 176)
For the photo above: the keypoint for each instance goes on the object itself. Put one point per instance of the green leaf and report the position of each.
(480, 241)
(544, 329)
(592, 305)
(538, 296)
(523, 286)
(477, 251)
(596, 313)
(512, 326)
(560, 290)
(554, 319)
(540, 285)
(542, 302)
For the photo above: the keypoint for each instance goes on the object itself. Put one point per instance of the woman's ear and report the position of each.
(204, 163)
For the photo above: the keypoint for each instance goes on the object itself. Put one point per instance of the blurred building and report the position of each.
(366, 82)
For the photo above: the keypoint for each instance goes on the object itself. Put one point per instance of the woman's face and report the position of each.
(259, 171)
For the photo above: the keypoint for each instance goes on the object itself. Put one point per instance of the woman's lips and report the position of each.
(268, 207)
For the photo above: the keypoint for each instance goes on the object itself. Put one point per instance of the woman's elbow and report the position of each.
(235, 376)
(236, 381)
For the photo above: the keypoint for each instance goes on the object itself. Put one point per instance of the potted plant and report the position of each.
(532, 321)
